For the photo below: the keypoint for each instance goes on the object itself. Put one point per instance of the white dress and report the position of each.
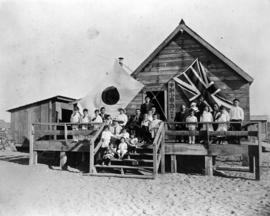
(207, 117)
(123, 118)
(122, 148)
(223, 118)
(85, 119)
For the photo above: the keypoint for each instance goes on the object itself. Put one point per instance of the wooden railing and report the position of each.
(159, 150)
(249, 137)
(62, 137)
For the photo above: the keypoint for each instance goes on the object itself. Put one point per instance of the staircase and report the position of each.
(143, 163)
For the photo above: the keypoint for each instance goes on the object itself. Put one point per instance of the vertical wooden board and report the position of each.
(208, 165)
(171, 100)
(44, 115)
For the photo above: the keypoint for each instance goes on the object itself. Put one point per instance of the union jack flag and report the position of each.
(195, 83)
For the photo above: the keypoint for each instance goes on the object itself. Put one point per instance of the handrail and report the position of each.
(63, 123)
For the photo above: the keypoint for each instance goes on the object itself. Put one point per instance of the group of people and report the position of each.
(122, 134)
(188, 119)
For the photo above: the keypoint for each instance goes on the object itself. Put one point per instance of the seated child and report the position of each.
(154, 125)
(116, 128)
(105, 140)
(146, 136)
(191, 127)
(109, 154)
(122, 148)
(124, 134)
(150, 115)
(132, 143)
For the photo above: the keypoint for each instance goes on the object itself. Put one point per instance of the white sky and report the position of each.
(50, 48)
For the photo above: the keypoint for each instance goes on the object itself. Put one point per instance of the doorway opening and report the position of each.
(158, 99)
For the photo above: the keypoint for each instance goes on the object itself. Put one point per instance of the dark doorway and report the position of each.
(66, 114)
(158, 99)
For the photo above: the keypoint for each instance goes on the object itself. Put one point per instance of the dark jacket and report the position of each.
(146, 107)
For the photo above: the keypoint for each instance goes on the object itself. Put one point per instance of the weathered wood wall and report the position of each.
(20, 119)
(176, 57)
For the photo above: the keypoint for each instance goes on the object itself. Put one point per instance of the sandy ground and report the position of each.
(38, 190)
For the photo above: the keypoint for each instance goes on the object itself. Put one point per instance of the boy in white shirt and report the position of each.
(154, 125)
(85, 119)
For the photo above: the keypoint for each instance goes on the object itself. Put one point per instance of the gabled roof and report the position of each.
(58, 98)
(183, 27)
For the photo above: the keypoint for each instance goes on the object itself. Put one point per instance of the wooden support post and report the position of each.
(91, 157)
(63, 160)
(208, 165)
(258, 156)
(251, 158)
(155, 160)
(173, 164)
(65, 128)
(35, 158)
(162, 152)
(31, 144)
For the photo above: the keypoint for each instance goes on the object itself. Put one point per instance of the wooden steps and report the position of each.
(123, 167)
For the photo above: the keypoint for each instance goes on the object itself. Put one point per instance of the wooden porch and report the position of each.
(148, 160)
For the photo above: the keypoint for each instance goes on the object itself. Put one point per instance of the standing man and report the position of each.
(103, 113)
(145, 107)
(237, 116)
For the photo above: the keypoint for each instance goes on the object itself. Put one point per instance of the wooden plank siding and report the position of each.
(175, 57)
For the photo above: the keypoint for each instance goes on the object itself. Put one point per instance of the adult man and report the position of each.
(103, 113)
(181, 117)
(146, 106)
(236, 116)
(135, 122)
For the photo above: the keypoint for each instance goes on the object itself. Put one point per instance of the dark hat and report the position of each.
(236, 99)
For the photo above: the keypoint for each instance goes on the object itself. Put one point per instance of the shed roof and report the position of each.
(58, 98)
(183, 27)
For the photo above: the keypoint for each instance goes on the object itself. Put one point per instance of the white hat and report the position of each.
(193, 104)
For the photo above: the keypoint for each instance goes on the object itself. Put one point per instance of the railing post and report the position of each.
(258, 155)
(154, 160)
(162, 152)
(91, 157)
(31, 145)
(65, 134)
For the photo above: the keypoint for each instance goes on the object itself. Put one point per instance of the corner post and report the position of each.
(163, 150)
(258, 155)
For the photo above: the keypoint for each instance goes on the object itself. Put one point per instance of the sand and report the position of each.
(39, 190)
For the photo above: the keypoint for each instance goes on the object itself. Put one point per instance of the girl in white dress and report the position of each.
(122, 148)
(206, 117)
(191, 127)
(224, 117)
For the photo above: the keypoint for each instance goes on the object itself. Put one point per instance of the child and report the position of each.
(191, 127)
(116, 128)
(105, 140)
(133, 143)
(122, 148)
(75, 118)
(150, 115)
(85, 119)
(109, 154)
(206, 117)
(223, 126)
(145, 128)
(124, 133)
(97, 119)
(154, 125)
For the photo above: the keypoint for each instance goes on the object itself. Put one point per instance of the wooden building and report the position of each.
(172, 57)
(54, 109)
